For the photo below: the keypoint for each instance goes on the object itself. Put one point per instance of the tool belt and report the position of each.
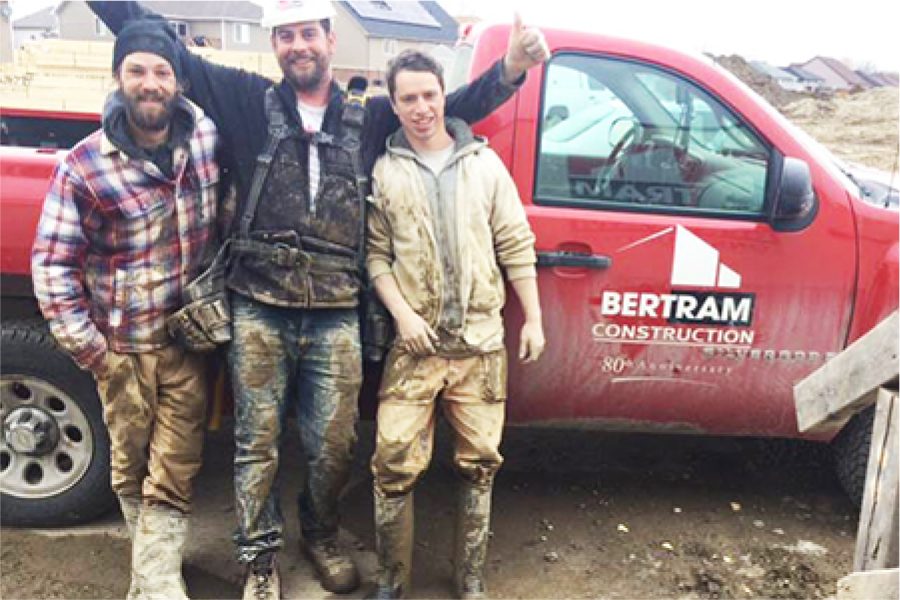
(204, 320)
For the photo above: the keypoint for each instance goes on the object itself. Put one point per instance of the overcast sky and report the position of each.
(777, 31)
(860, 32)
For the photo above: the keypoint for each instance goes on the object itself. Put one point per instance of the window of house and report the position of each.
(180, 27)
(100, 28)
(240, 33)
(390, 47)
(622, 134)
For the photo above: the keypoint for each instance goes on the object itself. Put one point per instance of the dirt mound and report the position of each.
(858, 127)
(762, 84)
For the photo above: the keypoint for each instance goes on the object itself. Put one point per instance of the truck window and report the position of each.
(44, 132)
(617, 134)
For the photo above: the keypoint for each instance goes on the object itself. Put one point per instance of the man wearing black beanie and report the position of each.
(125, 227)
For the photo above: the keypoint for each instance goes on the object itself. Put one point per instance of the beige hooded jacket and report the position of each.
(491, 229)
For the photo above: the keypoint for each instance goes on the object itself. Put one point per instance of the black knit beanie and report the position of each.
(147, 35)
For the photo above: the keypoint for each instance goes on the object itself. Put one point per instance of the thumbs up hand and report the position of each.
(526, 48)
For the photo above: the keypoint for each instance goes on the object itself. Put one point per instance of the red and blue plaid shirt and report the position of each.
(118, 241)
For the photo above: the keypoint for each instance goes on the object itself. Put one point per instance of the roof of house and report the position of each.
(773, 72)
(404, 20)
(42, 19)
(871, 78)
(891, 77)
(842, 70)
(208, 10)
(802, 74)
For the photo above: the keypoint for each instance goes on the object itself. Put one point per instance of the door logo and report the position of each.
(702, 299)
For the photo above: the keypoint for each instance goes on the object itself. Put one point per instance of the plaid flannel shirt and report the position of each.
(118, 241)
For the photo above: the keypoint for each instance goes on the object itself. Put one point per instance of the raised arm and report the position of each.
(525, 49)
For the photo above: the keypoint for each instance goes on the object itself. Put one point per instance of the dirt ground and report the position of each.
(577, 514)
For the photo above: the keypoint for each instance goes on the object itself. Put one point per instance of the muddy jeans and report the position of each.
(308, 361)
(154, 406)
(473, 392)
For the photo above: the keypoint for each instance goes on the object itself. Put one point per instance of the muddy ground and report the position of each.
(577, 515)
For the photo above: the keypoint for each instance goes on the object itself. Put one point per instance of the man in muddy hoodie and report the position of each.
(446, 218)
(295, 281)
(127, 221)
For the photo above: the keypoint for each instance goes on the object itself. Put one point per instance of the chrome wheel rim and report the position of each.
(46, 444)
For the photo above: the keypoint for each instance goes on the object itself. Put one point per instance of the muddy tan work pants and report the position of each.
(154, 406)
(473, 393)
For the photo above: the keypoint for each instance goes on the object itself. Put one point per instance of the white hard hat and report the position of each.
(282, 12)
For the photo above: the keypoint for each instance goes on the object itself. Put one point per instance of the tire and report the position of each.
(851, 452)
(54, 448)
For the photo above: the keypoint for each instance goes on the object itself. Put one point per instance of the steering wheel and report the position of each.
(628, 138)
(652, 157)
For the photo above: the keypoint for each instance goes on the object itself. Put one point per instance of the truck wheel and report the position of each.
(54, 449)
(851, 451)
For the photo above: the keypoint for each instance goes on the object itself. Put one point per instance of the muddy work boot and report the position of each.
(393, 545)
(261, 581)
(131, 510)
(335, 568)
(156, 553)
(473, 521)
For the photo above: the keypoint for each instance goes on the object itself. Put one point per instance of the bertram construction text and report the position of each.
(662, 334)
(710, 308)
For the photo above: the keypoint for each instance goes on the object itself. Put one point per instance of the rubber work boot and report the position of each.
(156, 553)
(473, 521)
(131, 511)
(261, 580)
(393, 544)
(335, 568)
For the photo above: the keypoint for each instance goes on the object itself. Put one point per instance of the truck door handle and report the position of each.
(573, 259)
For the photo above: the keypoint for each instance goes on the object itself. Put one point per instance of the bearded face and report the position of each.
(304, 52)
(148, 84)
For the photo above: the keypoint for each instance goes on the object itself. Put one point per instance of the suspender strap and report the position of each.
(278, 130)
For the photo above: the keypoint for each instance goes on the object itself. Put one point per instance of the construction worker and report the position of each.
(446, 218)
(128, 219)
(294, 277)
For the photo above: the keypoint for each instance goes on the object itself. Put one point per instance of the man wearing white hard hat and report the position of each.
(300, 157)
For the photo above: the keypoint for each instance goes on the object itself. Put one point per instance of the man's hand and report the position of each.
(531, 341)
(415, 336)
(527, 48)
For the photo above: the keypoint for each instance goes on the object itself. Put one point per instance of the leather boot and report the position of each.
(156, 554)
(334, 566)
(473, 521)
(393, 544)
(261, 579)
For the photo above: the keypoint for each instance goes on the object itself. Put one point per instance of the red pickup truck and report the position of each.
(698, 256)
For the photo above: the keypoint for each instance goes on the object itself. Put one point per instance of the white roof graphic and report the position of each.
(696, 263)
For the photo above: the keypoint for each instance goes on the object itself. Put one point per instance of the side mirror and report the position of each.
(795, 200)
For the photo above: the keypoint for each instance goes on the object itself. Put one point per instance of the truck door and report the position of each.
(670, 302)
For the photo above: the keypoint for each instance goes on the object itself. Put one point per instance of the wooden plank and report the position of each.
(879, 517)
(882, 584)
(833, 393)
